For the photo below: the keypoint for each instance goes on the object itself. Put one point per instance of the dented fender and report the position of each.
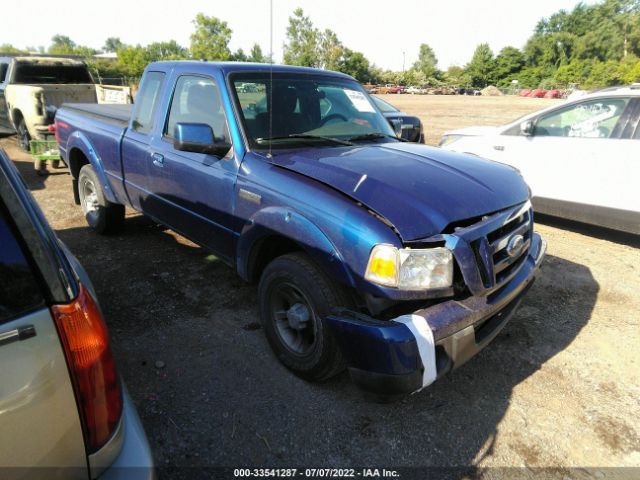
(285, 221)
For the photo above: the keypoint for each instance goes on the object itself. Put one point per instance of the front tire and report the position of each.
(102, 216)
(294, 297)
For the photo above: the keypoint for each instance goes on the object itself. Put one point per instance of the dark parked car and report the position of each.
(410, 126)
(63, 409)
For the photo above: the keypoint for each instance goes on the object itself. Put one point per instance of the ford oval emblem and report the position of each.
(515, 245)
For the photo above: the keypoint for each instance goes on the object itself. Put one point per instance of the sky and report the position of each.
(388, 32)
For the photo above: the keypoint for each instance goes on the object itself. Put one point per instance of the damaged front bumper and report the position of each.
(406, 354)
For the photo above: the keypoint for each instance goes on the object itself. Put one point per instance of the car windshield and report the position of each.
(295, 109)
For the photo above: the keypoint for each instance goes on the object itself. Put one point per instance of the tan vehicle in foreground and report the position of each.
(33, 87)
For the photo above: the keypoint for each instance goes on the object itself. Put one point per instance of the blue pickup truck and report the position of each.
(395, 260)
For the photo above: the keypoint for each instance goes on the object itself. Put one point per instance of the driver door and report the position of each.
(193, 192)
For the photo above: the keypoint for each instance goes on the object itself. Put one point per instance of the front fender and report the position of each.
(78, 140)
(283, 221)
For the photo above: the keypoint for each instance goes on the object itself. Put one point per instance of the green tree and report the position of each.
(62, 45)
(481, 67)
(532, 77)
(170, 50)
(107, 71)
(427, 62)
(604, 74)
(239, 56)
(112, 44)
(331, 50)
(133, 60)
(8, 48)
(256, 55)
(301, 47)
(356, 64)
(576, 71)
(456, 76)
(633, 74)
(508, 62)
(210, 40)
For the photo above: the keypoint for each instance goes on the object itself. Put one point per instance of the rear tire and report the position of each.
(294, 297)
(102, 216)
(23, 135)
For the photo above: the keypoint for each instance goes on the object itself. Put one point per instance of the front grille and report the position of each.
(505, 266)
(495, 264)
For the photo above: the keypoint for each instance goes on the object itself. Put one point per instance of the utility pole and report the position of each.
(403, 59)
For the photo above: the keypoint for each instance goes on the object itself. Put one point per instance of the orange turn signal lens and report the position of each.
(383, 265)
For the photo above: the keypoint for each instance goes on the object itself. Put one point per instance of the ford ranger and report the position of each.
(395, 260)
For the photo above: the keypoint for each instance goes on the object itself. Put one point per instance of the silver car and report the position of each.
(64, 412)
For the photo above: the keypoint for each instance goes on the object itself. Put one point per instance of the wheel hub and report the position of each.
(298, 316)
(294, 318)
(90, 200)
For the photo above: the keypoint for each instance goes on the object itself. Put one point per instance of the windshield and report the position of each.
(304, 109)
(33, 73)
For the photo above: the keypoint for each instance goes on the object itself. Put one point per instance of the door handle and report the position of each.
(17, 334)
(158, 159)
(499, 148)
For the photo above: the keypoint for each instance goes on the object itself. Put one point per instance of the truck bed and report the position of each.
(112, 113)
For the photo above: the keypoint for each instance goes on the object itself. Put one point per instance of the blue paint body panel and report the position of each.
(336, 202)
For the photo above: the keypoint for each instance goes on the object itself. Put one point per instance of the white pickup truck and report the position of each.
(33, 87)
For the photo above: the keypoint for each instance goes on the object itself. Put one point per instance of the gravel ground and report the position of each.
(559, 387)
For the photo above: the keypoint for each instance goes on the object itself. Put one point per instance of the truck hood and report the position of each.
(419, 189)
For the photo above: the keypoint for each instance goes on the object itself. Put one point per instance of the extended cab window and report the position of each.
(146, 102)
(197, 100)
(591, 119)
(19, 291)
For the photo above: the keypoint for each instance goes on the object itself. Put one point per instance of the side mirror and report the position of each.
(396, 123)
(198, 138)
(527, 127)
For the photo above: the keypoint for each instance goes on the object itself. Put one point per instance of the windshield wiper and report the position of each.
(304, 136)
(373, 136)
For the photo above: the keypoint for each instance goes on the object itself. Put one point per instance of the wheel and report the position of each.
(55, 163)
(103, 216)
(23, 134)
(294, 297)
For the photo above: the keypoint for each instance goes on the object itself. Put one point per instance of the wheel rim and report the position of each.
(90, 202)
(294, 318)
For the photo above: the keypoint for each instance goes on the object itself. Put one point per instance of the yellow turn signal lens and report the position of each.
(383, 265)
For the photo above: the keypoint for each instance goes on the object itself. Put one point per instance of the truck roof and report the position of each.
(230, 67)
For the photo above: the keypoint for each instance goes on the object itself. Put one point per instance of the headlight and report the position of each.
(449, 139)
(410, 269)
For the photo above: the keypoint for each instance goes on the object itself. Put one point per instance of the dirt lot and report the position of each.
(440, 113)
(560, 387)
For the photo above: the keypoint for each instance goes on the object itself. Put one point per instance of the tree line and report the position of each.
(591, 46)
